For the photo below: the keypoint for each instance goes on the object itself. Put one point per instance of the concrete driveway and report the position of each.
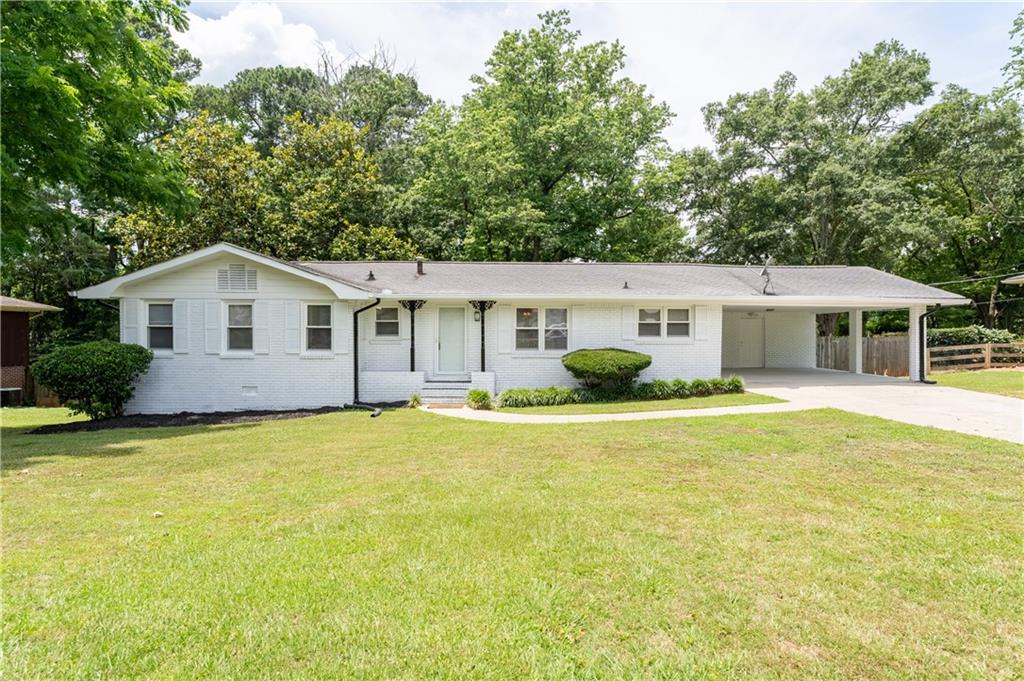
(899, 399)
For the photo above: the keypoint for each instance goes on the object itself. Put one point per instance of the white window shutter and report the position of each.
(180, 321)
(211, 327)
(628, 322)
(341, 329)
(261, 327)
(700, 320)
(506, 328)
(292, 327)
(129, 320)
(575, 322)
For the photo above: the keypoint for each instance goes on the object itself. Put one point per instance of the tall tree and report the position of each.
(803, 176)
(551, 156)
(84, 87)
(258, 101)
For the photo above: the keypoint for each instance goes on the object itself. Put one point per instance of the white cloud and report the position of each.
(250, 35)
(687, 54)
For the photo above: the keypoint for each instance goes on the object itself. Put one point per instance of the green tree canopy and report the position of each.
(85, 86)
(551, 156)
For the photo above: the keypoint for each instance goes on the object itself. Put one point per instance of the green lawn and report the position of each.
(999, 381)
(733, 400)
(809, 544)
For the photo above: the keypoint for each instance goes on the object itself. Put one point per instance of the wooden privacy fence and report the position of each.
(882, 355)
(889, 355)
(985, 356)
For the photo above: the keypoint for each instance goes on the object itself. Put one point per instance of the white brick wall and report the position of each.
(788, 337)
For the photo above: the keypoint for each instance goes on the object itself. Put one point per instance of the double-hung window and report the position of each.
(160, 326)
(318, 327)
(240, 326)
(663, 322)
(542, 328)
(386, 325)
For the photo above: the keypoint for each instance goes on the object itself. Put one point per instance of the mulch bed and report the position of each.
(185, 418)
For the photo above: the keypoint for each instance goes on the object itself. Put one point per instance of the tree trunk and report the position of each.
(828, 323)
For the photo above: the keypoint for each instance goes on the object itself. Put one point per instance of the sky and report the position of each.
(687, 54)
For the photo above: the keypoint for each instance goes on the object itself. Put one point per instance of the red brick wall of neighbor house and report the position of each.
(13, 349)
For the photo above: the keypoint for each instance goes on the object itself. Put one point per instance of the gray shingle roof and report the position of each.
(594, 280)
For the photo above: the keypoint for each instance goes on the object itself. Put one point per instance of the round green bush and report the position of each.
(609, 366)
(96, 378)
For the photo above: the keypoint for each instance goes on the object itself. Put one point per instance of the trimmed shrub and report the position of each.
(478, 399)
(415, 401)
(655, 390)
(96, 378)
(606, 367)
(968, 335)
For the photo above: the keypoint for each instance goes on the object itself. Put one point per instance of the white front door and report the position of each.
(451, 340)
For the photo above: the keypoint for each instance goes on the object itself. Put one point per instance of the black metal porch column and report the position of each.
(482, 306)
(412, 306)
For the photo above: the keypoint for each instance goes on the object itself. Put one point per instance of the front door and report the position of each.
(451, 340)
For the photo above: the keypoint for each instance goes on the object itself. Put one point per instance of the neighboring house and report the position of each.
(14, 355)
(233, 329)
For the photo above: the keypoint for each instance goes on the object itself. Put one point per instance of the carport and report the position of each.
(784, 335)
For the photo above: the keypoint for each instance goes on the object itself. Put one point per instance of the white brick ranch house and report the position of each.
(232, 329)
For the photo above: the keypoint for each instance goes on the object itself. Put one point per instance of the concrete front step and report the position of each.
(444, 393)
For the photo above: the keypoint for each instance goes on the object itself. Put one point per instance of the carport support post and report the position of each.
(914, 335)
(856, 342)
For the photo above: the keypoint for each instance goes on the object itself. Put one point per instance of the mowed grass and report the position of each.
(1008, 382)
(810, 544)
(731, 400)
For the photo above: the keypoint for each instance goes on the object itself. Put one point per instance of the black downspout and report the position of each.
(922, 369)
(355, 350)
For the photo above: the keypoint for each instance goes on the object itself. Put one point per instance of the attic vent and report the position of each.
(236, 278)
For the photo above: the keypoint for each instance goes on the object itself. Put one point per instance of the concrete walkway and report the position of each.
(515, 417)
(899, 399)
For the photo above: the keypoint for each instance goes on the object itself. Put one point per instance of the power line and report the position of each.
(964, 281)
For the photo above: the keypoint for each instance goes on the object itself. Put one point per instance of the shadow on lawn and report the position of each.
(22, 450)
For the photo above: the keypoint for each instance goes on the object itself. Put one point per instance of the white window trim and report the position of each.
(306, 352)
(663, 338)
(237, 354)
(159, 352)
(541, 349)
(398, 320)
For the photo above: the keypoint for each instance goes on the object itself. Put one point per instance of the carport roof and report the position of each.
(626, 280)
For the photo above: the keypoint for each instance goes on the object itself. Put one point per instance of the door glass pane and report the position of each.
(318, 315)
(161, 337)
(239, 339)
(239, 315)
(526, 339)
(160, 314)
(526, 317)
(318, 339)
